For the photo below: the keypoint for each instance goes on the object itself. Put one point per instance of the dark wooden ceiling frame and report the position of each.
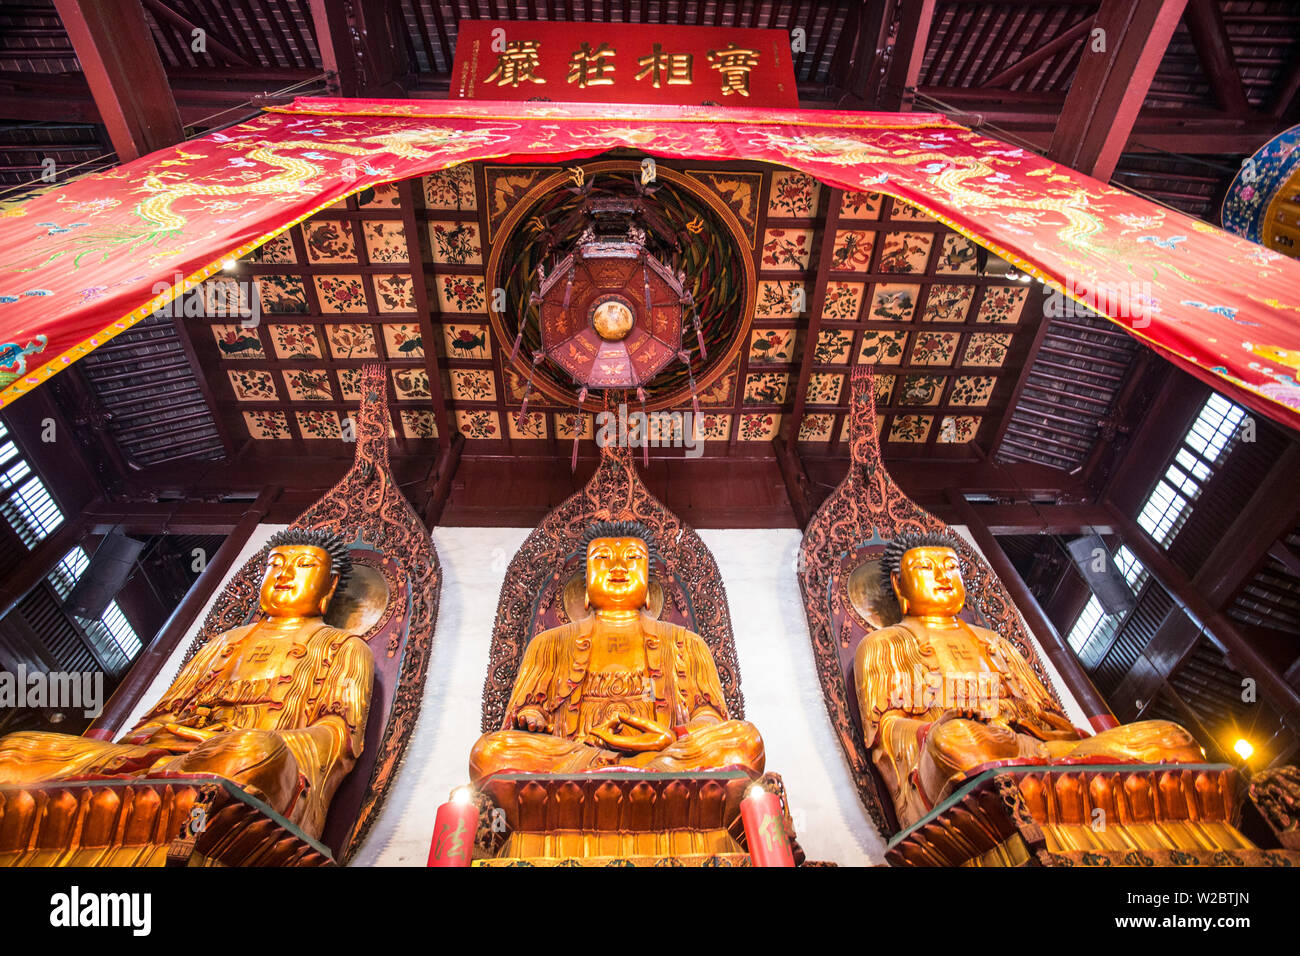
(121, 64)
(898, 91)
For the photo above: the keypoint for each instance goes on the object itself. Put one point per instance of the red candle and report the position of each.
(453, 830)
(769, 845)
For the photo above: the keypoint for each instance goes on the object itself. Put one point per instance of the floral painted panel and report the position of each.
(451, 189)
(319, 423)
(971, 389)
(383, 196)
(467, 341)
(294, 341)
(395, 293)
(860, 205)
(721, 391)
(902, 210)
(282, 294)
(531, 424)
(787, 249)
(404, 341)
(410, 384)
(910, 428)
(418, 422)
(278, 251)
(251, 385)
(329, 241)
(920, 390)
(987, 348)
(906, 252)
(759, 427)
(793, 196)
(781, 300)
(309, 385)
(824, 388)
(892, 302)
(766, 388)
(843, 300)
(564, 425)
(948, 303)
(473, 385)
(833, 347)
(711, 427)
(884, 389)
(461, 293)
(882, 348)
(267, 425)
(1003, 304)
(341, 294)
(385, 241)
(350, 384)
(852, 250)
(957, 257)
(517, 385)
(351, 341)
(455, 243)
(478, 423)
(816, 427)
(935, 348)
(958, 429)
(237, 342)
(771, 346)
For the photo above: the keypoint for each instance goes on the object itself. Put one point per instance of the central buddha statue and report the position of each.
(617, 688)
(278, 706)
(939, 697)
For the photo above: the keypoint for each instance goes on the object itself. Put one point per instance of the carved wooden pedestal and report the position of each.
(1088, 815)
(198, 820)
(616, 819)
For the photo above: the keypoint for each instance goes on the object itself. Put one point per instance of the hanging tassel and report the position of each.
(690, 375)
(645, 277)
(528, 387)
(568, 286)
(699, 335)
(519, 340)
(577, 434)
(645, 439)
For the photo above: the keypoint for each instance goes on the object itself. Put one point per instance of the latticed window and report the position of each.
(1093, 623)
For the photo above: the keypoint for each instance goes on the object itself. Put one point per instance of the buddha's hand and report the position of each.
(631, 734)
(197, 734)
(532, 719)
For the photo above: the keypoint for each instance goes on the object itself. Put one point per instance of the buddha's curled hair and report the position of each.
(892, 558)
(328, 541)
(622, 529)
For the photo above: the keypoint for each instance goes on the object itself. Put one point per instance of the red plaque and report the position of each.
(623, 63)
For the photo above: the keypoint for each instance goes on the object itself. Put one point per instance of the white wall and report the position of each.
(783, 695)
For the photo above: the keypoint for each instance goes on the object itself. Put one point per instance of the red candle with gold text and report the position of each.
(453, 830)
(765, 828)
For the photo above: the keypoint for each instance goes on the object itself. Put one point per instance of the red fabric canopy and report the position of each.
(87, 261)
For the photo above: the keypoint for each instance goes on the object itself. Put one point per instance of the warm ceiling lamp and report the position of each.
(1243, 748)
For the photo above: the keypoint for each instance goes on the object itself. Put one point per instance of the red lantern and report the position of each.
(769, 844)
(453, 830)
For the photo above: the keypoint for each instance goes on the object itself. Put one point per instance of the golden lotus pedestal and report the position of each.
(617, 819)
(193, 820)
(1089, 815)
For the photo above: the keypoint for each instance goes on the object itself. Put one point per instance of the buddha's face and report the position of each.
(618, 573)
(928, 582)
(299, 581)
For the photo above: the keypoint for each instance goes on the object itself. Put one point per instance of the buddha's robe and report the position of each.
(292, 714)
(936, 702)
(675, 684)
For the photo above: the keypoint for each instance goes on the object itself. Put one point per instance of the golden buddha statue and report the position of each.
(939, 697)
(278, 706)
(617, 688)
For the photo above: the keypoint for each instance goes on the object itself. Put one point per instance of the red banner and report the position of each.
(84, 262)
(623, 63)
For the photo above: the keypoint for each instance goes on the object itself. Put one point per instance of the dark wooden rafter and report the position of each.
(1204, 20)
(121, 64)
(910, 43)
(358, 44)
(1109, 88)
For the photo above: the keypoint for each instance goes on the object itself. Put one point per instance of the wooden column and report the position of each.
(156, 654)
(904, 70)
(1108, 90)
(1049, 638)
(121, 64)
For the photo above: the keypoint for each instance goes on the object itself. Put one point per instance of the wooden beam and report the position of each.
(1048, 637)
(797, 486)
(1029, 61)
(438, 486)
(1109, 88)
(159, 650)
(1210, 37)
(39, 562)
(904, 71)
(121, 64)
(1044, 519)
